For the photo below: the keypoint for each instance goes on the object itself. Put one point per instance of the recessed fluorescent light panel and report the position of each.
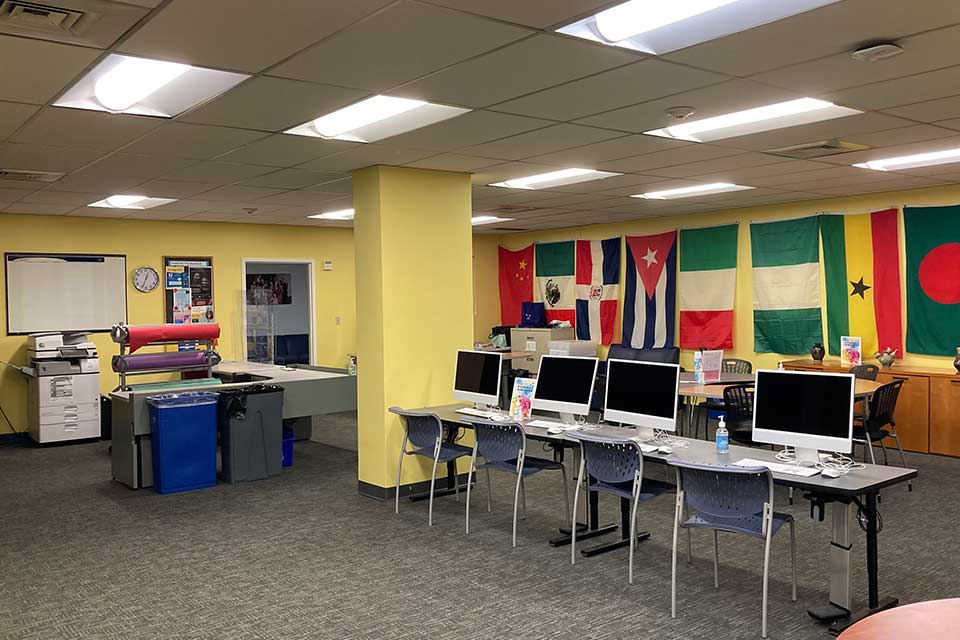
(376, 118)
(766, 118)
(125, 84)
(479, 220)
(689, 192)
(912, 162)
(343, 214)
(662, 27)
(555, 179)
(131, 202)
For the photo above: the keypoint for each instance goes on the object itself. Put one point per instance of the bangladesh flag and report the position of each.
(556, 284)
(786, 285)
(933, 279)
(861, 261)
(708, 282)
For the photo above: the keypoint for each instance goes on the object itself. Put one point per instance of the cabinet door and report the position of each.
(913, 412)
(945, 416)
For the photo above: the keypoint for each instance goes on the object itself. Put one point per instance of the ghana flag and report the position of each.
(933, 279)
(861, 259)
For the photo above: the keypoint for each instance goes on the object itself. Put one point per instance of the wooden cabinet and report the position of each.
(945, 415)
(913, 411)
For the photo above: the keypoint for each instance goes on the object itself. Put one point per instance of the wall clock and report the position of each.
(145, 279)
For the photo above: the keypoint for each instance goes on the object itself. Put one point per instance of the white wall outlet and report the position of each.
(338, 320)
(328, 266)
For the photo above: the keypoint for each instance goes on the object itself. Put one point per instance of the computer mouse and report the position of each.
(555, 430)
(665, 449)
(830, 473)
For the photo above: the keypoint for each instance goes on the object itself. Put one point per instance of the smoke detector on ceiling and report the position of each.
(817, 149)
(877, 52)
(680, 113)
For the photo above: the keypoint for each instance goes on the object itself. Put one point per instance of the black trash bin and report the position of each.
(250, 421)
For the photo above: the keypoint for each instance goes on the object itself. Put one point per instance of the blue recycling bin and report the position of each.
(183, 434)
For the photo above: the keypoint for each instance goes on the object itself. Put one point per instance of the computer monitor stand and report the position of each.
(482, 406)
(568, 418)
(646, 433)
(807, 457)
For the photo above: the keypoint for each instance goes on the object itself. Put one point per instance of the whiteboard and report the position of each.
(64, 292)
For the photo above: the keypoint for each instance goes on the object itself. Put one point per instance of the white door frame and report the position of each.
(311, 284)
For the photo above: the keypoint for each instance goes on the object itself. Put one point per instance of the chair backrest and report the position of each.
(725, 491)
(498, 441)
(865, 371)
(663, 354)
(423, 429)
(610, 460)
(883, 404)
(738, 401)
(736, 365)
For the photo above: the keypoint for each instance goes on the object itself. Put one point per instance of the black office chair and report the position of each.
(863, 372)
(728, 365)
(882, 405)
(738, 412)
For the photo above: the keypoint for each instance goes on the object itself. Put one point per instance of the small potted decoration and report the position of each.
(886, 357)
(956, 362)
(818, 352)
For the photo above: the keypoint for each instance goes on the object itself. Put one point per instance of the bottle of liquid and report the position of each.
(723, 437)
(698, 366)
(351, 365)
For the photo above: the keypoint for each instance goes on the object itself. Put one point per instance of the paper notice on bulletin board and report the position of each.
(182, 308)
(176, 277)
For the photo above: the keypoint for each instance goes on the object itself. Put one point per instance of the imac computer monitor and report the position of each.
(565, 384)
(642, 394)
(478, 378)
(804, 409)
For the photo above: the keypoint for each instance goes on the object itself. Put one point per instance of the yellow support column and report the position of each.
(413, 244)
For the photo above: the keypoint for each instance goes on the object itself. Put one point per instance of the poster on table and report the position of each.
(268, 289)
(850, 351)
(521, 402)
(712, 363)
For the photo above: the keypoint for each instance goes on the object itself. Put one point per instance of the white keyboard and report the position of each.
(779, 467)
(475, 412)
(547, 424)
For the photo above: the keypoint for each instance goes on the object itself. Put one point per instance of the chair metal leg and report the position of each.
(716, 558)
(473, 462)
(633, 530)
(903, 460)
(523, 498)
(403, 449)
(516, 500)
(790, 494)
(676, 533)
(489, 492)
(883, 448)
(793, 560)
(433, 481)
(573, 525)
(689, 546)
(566, 494)
(869, 446)
(766, 579)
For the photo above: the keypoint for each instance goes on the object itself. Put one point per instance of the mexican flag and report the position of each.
(861, 262)
(708, 282)
(786, 286)
(933, 279)
(516, 283)
(556, 283)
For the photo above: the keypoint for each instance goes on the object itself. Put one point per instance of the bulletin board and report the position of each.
(188, 289)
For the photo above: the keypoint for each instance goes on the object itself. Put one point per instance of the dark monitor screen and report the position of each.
(816, 405)
(477, 372)
(564, 379)
(641, 387)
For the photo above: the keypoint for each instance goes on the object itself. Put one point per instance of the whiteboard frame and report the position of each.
(32, 254)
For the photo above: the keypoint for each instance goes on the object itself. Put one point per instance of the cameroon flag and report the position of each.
(861, 259)
(933, 279)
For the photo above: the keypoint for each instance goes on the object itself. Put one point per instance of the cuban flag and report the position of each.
(598, 288)
(650, 303)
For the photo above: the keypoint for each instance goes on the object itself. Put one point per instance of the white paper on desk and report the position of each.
(531, 344)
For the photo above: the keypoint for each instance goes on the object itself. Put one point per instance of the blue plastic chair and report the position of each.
(425, 432)
(503, 447)
(615, 465)
(732, 499)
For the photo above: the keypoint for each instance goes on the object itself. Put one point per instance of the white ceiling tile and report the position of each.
(836, 28)
(211, 217)
(947, 142)
(174, 188)
(953, 124)
(714, 100)
(453, 162)
(61, 198)
(341, 187)
(533, 143)
(155, 214)
(410, 39)
(12, 115)
(246, 35)
(60, 127)
(292, 179)
(365, 155)
(35, 71)
(39, 209)
(747, 175)
(846, 127)
(929, 111)
(272, 104)
(98, 212)
(469, 129)
(537, 14)
(901, 135)
(894, 93)
(211, 171)
(694, 169)
(505, 171)
(301, 198)
(119, 171)
(667, 158)
(236, 193)
(622, 147)
(530, 65)
(282, 150)
(192, 140)
(33, 157)
(620, 87)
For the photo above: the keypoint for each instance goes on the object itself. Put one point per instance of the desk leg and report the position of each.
(591, 530)
(840, 550)
(624, 540)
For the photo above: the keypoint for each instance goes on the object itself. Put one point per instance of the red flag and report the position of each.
(516, 283)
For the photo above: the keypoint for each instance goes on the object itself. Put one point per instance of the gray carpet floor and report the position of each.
(303, 556)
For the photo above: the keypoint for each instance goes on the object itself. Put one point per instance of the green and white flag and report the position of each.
(786, 286)
(556, 285)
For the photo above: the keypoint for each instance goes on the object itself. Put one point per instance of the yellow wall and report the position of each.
(486, 296)
(743, 317)
(147, 242)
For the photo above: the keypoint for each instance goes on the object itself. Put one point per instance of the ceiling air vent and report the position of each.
(96, 23)
(35, 16)
(817, 149)
(29, 176)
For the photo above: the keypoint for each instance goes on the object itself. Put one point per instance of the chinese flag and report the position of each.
(516, 283)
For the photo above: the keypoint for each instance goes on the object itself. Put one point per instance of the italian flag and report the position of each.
(708, 282)
(933, 279)
(556, 285)
(861, 262)
(786, 286)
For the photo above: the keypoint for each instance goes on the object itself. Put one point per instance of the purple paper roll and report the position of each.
(145, 361)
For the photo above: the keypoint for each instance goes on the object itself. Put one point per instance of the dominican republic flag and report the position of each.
(650, 304)
(598, 287)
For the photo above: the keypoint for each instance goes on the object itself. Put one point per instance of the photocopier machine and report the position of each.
(63, 387)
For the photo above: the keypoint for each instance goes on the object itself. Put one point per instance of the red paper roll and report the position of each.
(138, 336)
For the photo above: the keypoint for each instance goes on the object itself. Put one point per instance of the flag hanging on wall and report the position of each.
(861, 262)
(650, 301)
(516, 283)
(556, 281)
(933, 279)
(786, 286)
(598, 287)
(708, 282)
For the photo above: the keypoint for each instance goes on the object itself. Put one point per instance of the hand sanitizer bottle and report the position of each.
(723, 437)
(698, 366)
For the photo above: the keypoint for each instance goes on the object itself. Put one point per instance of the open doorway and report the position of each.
(279, 312)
